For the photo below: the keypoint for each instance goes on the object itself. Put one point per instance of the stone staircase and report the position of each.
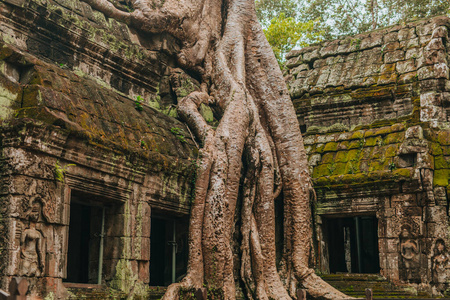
(93, 292)
(156, 292)
(354, 285)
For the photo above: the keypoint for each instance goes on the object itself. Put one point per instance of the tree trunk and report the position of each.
(258, 139)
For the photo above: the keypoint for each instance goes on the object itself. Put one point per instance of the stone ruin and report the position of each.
(97, 174)
(92, 164)
(375, 113)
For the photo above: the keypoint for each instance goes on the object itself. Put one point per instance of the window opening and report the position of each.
(353, 245)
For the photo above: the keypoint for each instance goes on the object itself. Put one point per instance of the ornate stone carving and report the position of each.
(440, 262)
(408, 252)
(32, 252)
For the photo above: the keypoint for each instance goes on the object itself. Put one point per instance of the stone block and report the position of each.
(414, 132)
(436, 230)
(294, 61)
(407, 78)
(406, 33)
(435, 44)
(425, 29)
(145, 249)
(406, 66)
(109, 268)
(394, 56)
(390, 37)
(392, 245)
(440, 196)
(311, 56)
(144, 271)
(431, 113)
(118, 225)
(435, 214)
(117, 247)
(302, 67)
(414, 53)
(441, 70)
(440, 32)
(329, 49)
(424, 40)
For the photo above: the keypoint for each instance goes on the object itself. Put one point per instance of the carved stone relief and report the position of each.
(32, 245)
(409, 250)
(440, 264)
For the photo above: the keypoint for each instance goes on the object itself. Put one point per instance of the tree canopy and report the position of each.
(297, 23)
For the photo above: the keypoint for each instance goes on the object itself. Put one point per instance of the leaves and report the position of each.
(285, 33)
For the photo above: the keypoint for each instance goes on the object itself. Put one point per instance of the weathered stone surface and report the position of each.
(84, 114)
(378, 143)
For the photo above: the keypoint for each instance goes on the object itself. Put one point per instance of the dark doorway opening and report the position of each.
(168, 250)
(158, 252)
(78, 245)
(353, 245)
(86, 239)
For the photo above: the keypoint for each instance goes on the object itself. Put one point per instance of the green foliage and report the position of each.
(138, 103)
(60, 171)
(349, 17)
(267, 10)
(285, 33)
(179, 133)
(392, 166)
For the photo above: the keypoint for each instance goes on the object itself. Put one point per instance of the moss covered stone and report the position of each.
(341, 156)
(322, 170)
(394, 138)
(330, 146)
(440, 177)
(328, 158)
(440, 163)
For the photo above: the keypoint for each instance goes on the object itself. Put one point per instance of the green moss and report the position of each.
(356, 144)
(440, 177)
(330, 146)
(378, 153)
(358, 135)
(341, 156)
(319, 148)
(391, 150)
(445, 150)
(127, 281)
(394, 138)
(376, 165)
(405, 172)
(354, 155)
(343, 145)
(322, 170)
(339, 168)
(327, 158)
(397, 127)
(352, 167)
(440, 163)
(373, 141)
(443, 138)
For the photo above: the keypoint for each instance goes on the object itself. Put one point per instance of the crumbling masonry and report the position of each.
(97, 174)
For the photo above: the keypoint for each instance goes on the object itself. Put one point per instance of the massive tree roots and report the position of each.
(252, 158)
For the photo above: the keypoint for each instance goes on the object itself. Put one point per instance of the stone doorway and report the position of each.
(86, 233)
(168, 250)
(353, 244)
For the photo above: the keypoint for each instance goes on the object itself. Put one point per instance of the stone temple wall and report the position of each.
(85, 107)
(374, 112)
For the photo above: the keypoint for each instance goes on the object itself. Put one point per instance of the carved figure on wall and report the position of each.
(32, 251)
(440, 262)
(408, 251)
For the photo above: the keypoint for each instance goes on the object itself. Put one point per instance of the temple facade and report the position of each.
(374, 111)
(97, 173)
